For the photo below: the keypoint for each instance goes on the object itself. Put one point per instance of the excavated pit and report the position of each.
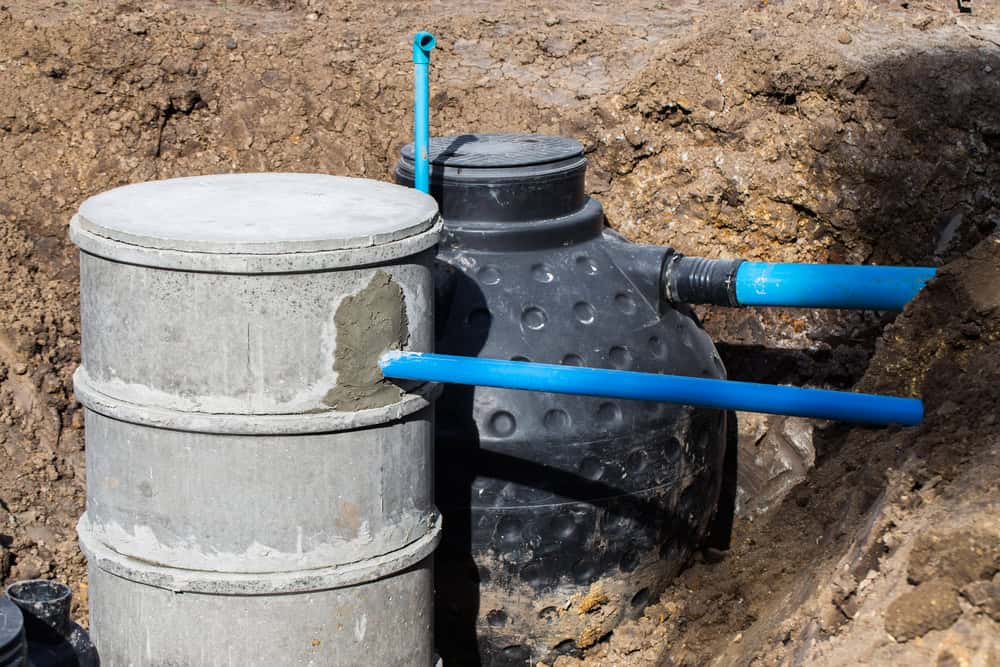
(790, 130)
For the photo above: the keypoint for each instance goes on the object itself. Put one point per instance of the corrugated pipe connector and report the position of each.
(700, 280)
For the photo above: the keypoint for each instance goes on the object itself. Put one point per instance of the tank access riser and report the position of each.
(256, 496)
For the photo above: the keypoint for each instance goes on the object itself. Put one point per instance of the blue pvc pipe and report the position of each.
(423, 42)
(829, 285)
(701, 392)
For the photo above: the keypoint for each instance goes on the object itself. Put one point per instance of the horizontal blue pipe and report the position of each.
(829, 285)
(701, 392)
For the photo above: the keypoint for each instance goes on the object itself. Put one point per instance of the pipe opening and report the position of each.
(38, 591)
(45, 606)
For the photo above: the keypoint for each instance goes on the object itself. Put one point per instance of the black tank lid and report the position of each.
(498, 151)
(13, 650)
(495, 178)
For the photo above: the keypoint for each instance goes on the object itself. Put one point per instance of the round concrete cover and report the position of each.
(258, 213)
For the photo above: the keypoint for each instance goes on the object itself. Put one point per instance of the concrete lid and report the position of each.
(226, 217)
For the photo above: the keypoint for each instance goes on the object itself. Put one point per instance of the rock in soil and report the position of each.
(985, 595)
(933, 605)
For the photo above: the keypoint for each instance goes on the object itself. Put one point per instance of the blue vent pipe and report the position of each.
(423, 42)
(829, 285)
(701, 392)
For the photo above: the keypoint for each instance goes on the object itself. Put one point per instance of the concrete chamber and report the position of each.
(256, 493)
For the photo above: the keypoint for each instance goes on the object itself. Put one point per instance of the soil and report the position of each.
(781, 130)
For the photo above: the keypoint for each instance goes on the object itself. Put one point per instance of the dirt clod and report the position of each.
(594, 598)
(985, 595)
(933, 605)
(963, 556)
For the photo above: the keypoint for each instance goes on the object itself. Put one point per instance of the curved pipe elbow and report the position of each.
(423, 43)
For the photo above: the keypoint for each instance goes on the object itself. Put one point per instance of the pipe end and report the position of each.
(423, 43)
(389, 356)
(45, 605)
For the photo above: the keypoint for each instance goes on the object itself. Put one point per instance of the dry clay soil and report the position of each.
(810, 130)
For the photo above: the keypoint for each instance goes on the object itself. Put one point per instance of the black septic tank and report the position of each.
(563, 514)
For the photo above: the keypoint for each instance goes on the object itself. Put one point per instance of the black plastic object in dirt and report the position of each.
(13, 645)
(563, 514)
(53, 639)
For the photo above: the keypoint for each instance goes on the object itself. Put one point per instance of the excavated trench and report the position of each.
(808, 130)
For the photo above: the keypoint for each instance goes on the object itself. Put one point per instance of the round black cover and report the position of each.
(502, 178)
(493, 151)
(13, 650)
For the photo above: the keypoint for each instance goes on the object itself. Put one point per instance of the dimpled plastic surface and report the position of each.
(548, 498)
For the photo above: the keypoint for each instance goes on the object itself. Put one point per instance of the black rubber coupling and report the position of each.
(700, 280)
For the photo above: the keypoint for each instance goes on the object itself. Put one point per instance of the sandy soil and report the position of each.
(807, 130)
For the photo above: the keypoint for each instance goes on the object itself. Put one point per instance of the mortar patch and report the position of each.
(368, 323)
